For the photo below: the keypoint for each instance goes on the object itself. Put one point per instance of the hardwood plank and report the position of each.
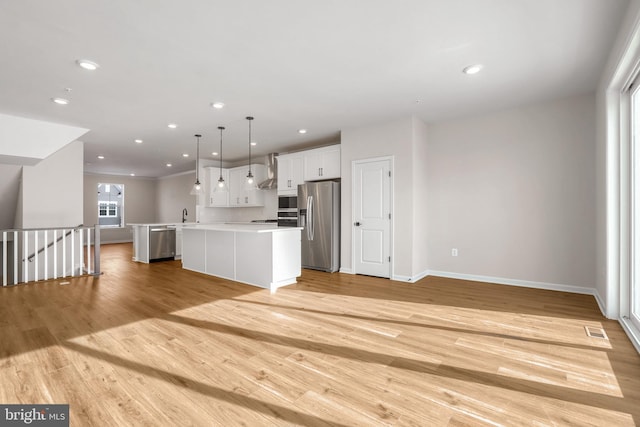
(157, 345)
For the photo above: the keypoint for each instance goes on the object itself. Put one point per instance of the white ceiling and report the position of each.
(321, 65)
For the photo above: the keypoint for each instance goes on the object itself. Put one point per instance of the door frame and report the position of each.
(354, 163)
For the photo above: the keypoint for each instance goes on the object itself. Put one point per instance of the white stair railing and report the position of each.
(30, 255)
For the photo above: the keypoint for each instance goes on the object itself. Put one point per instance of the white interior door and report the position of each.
(372, 217)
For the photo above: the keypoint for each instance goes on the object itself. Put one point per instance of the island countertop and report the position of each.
(160, 224)
(241, 227)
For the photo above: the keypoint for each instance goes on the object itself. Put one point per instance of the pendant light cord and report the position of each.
(197, 158)
(221, 129)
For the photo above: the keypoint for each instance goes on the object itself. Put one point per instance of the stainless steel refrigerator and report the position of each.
(319, 215)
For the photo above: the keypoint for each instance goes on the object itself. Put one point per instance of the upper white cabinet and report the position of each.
(218, 198)
(290, 173)
(322, 163)
(236, 195)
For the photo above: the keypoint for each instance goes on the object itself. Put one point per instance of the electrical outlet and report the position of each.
(454, 252)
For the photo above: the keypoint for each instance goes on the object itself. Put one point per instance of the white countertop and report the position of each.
(242, 227)
(163, 224)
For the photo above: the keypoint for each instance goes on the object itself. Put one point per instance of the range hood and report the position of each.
(272, 173)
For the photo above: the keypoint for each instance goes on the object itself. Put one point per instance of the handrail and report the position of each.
(46, 228)
(42, 249)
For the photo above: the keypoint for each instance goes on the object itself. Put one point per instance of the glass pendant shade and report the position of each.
(250, 183)
(196, 189)
(221, 186)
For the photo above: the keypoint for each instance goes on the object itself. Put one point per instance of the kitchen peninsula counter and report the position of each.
(141, 238)
(259, 254)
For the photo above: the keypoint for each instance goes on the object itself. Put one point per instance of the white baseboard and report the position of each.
(517, 282)
(601, 305)
(108, 242)
(346, 270)
(410, 279)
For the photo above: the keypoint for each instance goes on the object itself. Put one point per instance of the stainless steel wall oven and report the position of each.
(287, 211)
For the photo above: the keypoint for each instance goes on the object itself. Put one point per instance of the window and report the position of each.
(107, 209)
(111, 205)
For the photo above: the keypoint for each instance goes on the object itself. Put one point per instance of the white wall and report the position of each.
(172, 195)
(387, 139)
(139, 204)
(420, 199)
(52, 193)
(10, 181)
(514, 192)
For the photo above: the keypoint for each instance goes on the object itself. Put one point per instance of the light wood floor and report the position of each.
(156, 345)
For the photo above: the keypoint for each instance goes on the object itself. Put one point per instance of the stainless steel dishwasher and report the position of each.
(162, 243)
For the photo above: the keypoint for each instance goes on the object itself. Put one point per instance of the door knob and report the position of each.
(357, 224)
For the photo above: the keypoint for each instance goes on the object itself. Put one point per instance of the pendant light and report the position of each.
(250, 183)
(197, 187)
(222, 186)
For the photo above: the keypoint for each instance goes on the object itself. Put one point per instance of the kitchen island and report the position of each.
(262, 255)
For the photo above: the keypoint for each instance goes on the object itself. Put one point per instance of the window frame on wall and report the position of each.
(114, 205)
(632, 296)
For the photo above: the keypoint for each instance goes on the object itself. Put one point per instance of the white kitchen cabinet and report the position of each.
(238, 196)
(217, 198)
(322, 163)
(290, 173)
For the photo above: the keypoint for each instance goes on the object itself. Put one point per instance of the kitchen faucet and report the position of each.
(184, 215)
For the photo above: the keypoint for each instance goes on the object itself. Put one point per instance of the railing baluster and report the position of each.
(73, 254)
(46, 255)
(35, 245)
(25, 264)
(64, 253)
(88, 251)
(15, 257)
(96, 250)
(80, 251)
(55, 254)
(4, 258)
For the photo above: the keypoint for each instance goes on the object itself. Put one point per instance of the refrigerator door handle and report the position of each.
(310, 218)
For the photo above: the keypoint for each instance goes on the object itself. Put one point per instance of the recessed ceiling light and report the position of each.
(185, 154)
(217, 105)
(253, 143)
(169, 165)
(172, 125)
(302, 131)
(472, 69)
(60, 101)
(87, 65)
(215, 153)
(137, 141)
(101, 157)
(132, 174)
